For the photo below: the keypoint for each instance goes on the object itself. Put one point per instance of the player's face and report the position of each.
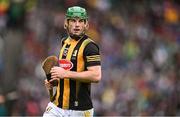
(76, 26)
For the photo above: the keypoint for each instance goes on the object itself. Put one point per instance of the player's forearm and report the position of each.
(85, 76)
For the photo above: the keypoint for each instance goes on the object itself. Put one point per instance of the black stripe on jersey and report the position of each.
(84, 94)
(74, 84)
(60, 100)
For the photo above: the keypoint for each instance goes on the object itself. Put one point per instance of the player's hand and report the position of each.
(48, 85)
(57, 73)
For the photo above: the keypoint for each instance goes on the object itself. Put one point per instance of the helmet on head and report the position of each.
(76, 11)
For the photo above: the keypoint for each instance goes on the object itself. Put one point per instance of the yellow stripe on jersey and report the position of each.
(80, 61)
(56, 102)
(93, 58)
(66, 93)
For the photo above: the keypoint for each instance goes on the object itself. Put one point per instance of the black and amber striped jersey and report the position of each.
(76, 55)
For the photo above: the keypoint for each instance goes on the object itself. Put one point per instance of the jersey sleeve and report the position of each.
(92, 55)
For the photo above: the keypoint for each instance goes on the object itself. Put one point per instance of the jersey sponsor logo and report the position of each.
(66, 64)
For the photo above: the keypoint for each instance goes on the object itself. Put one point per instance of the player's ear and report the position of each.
(65, 24)
(87, 25)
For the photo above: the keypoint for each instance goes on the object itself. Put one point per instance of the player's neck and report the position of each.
(76, 37)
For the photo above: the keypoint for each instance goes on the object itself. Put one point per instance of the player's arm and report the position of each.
(93, 74)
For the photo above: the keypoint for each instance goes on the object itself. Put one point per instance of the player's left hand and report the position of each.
(57, 73)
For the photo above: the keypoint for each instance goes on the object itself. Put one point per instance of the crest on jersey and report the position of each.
(75, 53)
(66, 64)
(65, 51)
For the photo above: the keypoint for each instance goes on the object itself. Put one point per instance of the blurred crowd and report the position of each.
(139, 42)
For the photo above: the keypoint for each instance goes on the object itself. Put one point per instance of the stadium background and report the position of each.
(139, 40)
